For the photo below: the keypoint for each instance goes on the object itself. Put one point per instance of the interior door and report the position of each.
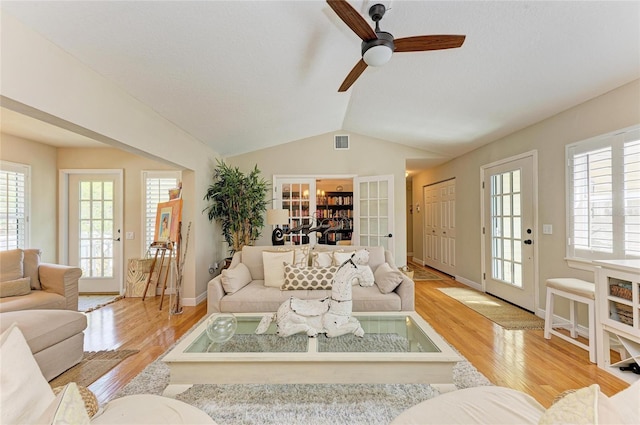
(440, 226)
(509, 231)
(373, 211)
(298, 196)
(95, 236)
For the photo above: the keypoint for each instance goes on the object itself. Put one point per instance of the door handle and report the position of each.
(528, 242)
(116, 239)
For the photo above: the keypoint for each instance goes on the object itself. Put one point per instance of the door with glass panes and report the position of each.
(298, 197)
(373, 211)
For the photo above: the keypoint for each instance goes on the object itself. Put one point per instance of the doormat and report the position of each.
(501, 312)
(93, 365)
(87, 303)
(421, 274)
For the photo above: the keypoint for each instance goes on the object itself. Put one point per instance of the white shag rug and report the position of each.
(312, 404)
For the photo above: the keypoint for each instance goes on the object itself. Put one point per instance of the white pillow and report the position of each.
(340, 257)
(584, 406)
(387, 278)
(627, 403)
(66, 409)
(236, 278)
(274, 267)
(25, 394)
(321, 259)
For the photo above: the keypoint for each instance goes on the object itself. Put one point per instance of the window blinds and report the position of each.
(13, 205)
(157, 185)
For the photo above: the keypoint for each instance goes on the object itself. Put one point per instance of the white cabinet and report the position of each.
(618, 310)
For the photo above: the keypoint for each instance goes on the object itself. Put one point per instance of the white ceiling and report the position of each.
(244, 75)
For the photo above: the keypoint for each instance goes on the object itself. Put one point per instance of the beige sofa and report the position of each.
(28, 284)
(254, 296)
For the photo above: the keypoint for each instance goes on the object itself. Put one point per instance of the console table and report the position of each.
(618, 314)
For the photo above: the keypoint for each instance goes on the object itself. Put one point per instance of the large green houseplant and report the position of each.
(238, 201)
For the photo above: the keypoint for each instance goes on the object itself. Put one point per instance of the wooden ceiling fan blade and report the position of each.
(353, 19)
(353, 75)
(421, 43)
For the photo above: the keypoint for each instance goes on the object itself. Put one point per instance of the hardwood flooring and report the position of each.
(519, 359)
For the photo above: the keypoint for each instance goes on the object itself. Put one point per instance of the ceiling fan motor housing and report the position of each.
(384, 39)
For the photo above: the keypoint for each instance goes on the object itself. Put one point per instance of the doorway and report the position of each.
(509, 229)
(440, 226)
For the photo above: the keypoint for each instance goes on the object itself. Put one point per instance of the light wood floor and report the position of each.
(522, 360)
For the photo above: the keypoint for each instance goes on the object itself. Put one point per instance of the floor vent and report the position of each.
(341, 142)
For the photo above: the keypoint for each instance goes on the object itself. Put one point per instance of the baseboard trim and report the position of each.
(417, 261)
(470, 283)
(192, 302)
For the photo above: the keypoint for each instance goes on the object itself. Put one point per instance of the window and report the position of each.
(604, 196)
(156, 186)
(14, 205)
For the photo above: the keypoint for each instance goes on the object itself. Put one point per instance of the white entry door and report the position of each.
(94, 228)
(440, 226)
(373, 211)
(509, 231)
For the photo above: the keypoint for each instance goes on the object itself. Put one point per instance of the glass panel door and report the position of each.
(373, 212)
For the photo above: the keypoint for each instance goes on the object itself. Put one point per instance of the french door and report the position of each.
(440, 226)
(373, 211)
(509, 230)
(94, 212)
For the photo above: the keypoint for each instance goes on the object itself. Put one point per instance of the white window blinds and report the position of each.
(14, 206)
(156, 187)
(604, 196)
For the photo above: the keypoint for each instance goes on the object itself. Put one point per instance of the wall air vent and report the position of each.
(341, 142)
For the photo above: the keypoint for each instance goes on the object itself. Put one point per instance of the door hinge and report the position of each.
(484, 276)
(483, 230)
(483, 185)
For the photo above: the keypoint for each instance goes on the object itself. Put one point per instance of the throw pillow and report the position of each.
(67, 408)
(31, 264)
(626, 403)
(11, 264)
(25, 393)
(236, 278)
(14, 288)
(274, 267)
(339, 257)
(584, 406)
(321, 259)
(300, 255)
(387, 278)
(308, 277)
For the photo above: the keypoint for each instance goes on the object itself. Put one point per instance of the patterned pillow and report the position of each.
(300, 255)
(321, 259)
(308, 277)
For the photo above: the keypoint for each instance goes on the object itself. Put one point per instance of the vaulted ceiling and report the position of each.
(245, 75)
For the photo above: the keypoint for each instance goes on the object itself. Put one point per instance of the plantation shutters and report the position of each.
(156, 190)
(14, 205)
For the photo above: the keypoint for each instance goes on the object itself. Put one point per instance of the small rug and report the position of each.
(501, 312)
(422, 274)
(88, 303)
(91, 367)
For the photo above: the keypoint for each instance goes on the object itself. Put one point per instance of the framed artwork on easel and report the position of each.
(168, 217)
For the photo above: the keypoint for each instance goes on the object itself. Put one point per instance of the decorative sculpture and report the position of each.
(330, 316)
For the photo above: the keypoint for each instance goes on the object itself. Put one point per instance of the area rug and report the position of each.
(421, 274)
(92, 366)
(88, 303)
(317, 404)
(501, 312)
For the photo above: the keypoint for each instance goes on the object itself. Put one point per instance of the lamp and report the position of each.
(378, 51)
(275, 218)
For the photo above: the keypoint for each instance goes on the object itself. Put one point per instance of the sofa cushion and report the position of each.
(236, 278)
(31, 264)
(584, 406)
(14, 288)
(274, 267)
(25, 393)
(256, 297)
(308, 277)
(36, 300)
(371, 299)
(44, 328)
(11, 264)
(387, 278)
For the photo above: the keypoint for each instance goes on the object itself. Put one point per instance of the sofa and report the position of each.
(27, 398)
(28, 284)
(247, 286)
(499, 405)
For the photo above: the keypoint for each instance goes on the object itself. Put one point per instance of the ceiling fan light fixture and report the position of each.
(377, 52)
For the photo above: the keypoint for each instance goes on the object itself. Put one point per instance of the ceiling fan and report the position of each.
(378, 46)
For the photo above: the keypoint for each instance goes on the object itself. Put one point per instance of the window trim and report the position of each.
(615, 139)
(25, 169)
(151, 174)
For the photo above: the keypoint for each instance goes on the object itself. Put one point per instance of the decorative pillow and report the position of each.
(339, 257)
(14, 288)
(387, 278)
(300, 255)
(321, 259)
(274, 267)
(66, 409)
(627, 405)
(308, 277)
(584, 406)
(236, 278)
(25, 393)
(11, 264)
(30, 266)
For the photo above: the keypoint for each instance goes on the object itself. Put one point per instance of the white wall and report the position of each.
(316, 156)
(41, 80)
(615, 110)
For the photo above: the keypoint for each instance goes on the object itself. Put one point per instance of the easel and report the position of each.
(161, 248)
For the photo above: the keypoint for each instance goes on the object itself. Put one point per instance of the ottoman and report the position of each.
(55, 337)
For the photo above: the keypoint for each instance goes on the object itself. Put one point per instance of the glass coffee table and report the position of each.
(398, 347)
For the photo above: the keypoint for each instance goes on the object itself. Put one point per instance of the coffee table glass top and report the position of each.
(383, 334)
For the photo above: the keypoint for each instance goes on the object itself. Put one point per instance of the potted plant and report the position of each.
(238, 201)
